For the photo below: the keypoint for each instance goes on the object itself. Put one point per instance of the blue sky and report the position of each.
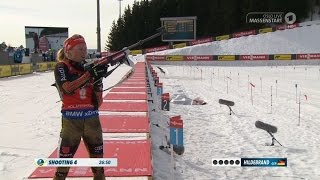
(78, 15)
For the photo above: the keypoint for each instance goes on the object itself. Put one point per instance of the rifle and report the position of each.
(119, 55)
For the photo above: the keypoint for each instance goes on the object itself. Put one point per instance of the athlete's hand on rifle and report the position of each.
(99, 71)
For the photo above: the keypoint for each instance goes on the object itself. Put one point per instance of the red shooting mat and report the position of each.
(141, 64)
(142, 74)
(115, 96)
(124, 106)
(134, 159)
(129, 89)
(136, 80)
(124, 124)
(139, 73)
(138, 77)
(132, 85)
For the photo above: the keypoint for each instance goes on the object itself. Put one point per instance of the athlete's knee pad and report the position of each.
(66, 151)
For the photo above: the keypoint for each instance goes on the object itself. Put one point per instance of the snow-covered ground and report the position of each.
(210, 132)
(30, 114)
(30, 121)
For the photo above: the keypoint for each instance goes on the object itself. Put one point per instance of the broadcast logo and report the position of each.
(40, 162)
(271, 18)
(265, 17)
(290, 18)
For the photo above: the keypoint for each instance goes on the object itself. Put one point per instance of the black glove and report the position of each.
(99, 71)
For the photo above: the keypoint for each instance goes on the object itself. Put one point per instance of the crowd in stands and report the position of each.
(17, 54)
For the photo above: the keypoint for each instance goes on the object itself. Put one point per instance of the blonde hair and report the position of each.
(61, 55)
